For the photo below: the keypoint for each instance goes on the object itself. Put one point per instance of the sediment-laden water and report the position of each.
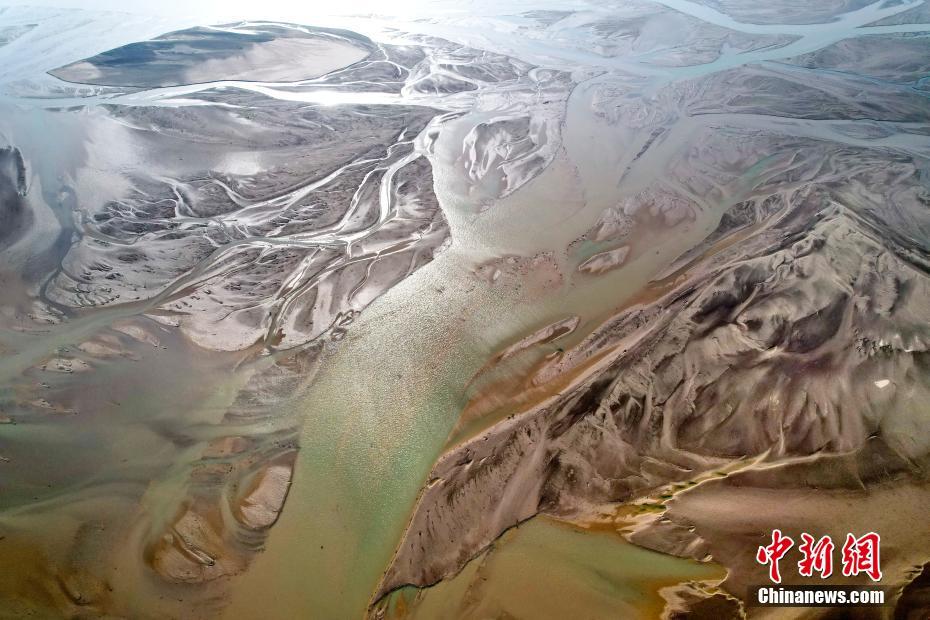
(294, 339)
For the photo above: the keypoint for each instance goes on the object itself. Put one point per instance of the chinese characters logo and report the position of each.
(858, 555)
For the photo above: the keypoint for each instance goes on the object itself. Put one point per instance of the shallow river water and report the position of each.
(387, 398)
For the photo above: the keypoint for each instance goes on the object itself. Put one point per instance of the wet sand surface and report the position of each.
(295, 340)
(545, 568)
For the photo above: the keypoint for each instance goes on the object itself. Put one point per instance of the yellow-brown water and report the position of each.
(387, 396)
(547, 569)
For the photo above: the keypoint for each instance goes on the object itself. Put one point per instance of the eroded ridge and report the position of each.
(781, 360)
(798, 327)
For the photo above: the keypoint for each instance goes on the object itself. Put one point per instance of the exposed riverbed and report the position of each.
(356, 276)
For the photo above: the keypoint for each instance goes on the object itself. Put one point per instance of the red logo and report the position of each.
(860, 555)
(774, 552)
(817, 556)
